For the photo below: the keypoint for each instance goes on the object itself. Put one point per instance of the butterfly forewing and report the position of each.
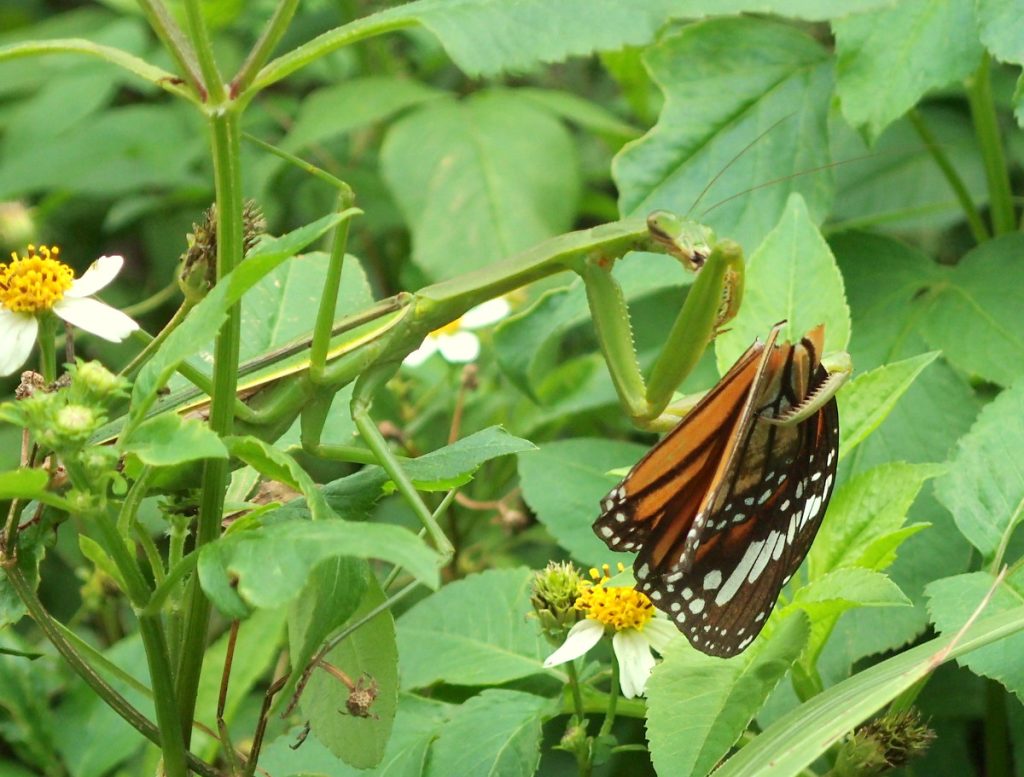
(731, 524)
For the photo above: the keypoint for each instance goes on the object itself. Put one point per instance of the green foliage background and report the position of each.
(820, 135)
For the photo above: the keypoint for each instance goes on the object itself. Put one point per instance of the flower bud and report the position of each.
(886, 743)
(96, 381)
(555, 590)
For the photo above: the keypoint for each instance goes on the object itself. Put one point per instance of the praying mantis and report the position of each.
(367, 347)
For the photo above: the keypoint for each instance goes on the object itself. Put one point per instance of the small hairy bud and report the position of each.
(199, 262)
(555, 590)
(888, 742)
(96, 381)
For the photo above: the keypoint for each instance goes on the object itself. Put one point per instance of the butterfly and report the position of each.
(722, 510)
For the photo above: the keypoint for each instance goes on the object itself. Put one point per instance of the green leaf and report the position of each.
(417, 725)
(952, 600)
(334, 110)
(865, 509)
(998, 25)
(169, 439)
(93, 551)
(698, 706)
(474, 631)
(333, 592)
(440, 470)
(495, 733)
(29, 483)
(29, 725)
(874, 84)
(563, 483)
(269, 566)
(485, 37)
(985, 486)
(279, 466)
(866, 402)
(812, 10)
(792, 259)
(369, 655)
(843, 589)
(975, 318)
(480, 179)
(775, 74)
(895, 182)
(798, 738)
(588, 115)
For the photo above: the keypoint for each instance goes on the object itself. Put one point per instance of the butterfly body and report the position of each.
(722, 511)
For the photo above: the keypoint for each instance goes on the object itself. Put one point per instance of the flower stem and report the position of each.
(574, 687)
(986, 126)
(48, 347)
(228, 180)
(204, 51)
(268, 40)
(613, 699)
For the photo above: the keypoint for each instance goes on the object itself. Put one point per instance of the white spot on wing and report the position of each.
(696, 606)
(739, 574)
(712, 580)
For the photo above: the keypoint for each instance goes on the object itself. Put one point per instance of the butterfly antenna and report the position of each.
(732, 161)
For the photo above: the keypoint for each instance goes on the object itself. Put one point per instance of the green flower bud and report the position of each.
(886, 743)
(96, 381)
(75, 423)
(199, 262)
(555, 590)
(17, 227)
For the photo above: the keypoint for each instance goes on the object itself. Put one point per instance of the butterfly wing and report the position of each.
(717, 569)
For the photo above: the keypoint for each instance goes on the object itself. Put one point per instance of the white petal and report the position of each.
(421, 354)
(490, 312)
(659, 633)
(583, 636)
(96, 317)
(635, 661)
(459, 347)
(99, 274)
(17, 336)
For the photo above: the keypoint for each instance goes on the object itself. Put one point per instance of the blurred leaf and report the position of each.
(710, 135)
(998, 24)
(28, 727)
(334, 110)
(497, 732)
(874, 84)
(368, 655)
(563, 483)
(975, 318)
(699, 706)
(269, 566)
(984, 488)
(485, 37)
(474, 631)
(170, 439)
(589, 115)
(280, 467)
(895, 182)
(30, 483)
(480, 179)
(952, 600)
(866, 402)
(799, 737)
(813, 10)
(792, 259)
(865, 509)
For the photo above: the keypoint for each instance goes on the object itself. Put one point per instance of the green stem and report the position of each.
(986, 125)
(268, 40)
(574, 688)
(204, 52)
(143, 356)
(174, 40)
(154, 300)
(47, 339)
(978, 229)
(228, 181)
(613, 699)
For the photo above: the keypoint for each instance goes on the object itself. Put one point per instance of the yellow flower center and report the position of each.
(34, 283)
(619, 607)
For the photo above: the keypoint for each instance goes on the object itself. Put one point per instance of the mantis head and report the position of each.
(686, 240)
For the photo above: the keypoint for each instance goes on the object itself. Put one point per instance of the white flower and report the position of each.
(37, 283)
(456, 341)
(636, 626)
